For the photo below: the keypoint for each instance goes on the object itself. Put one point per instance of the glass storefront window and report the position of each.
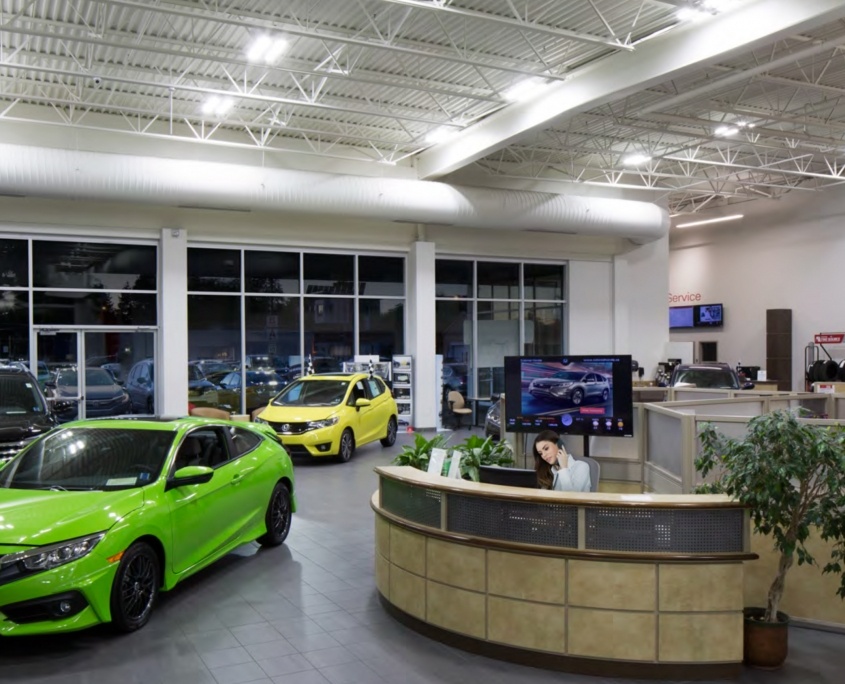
(93, 265)
(454, 331)
(329, 332)
(214, 348)
(498, 337)
(544, 281)
(452, 278)
(14, 263)
(214, 270)
(94, 308)
(271, 272)
(381, 325)
(381, 276)
(14, 325)
(498, 280)
(543, 328)
(329, 274)
(272, 332)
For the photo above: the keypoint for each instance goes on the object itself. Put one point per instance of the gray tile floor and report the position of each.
(307, 613)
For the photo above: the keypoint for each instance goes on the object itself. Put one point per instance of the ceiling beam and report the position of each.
(671, 55)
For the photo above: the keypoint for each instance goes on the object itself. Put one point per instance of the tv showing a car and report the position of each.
(572, 395)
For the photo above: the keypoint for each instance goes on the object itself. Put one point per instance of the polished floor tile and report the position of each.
(308, 613)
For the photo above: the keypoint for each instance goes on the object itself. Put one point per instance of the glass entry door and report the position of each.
(98, 373)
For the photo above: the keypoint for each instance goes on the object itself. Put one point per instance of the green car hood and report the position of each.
(31, 517)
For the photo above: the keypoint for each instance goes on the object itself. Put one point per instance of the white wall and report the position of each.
(590, 307)
(787, 254)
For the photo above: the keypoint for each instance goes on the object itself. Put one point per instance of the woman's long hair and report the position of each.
(545, 476)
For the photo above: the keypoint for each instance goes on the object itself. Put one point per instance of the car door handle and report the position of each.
(237, 478)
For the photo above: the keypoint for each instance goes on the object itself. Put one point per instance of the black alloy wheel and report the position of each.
(278, 517)
(577, 397)
(604, 395)
(390, 438)
(135, 587)
(347, 445)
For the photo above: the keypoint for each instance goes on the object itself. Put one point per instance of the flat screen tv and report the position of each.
(572, 395)
(698, 316)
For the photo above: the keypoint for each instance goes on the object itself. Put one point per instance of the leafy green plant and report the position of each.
(478, 452)
(418, 454)
(791, 475)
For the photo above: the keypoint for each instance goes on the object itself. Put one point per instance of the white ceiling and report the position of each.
(369, 80)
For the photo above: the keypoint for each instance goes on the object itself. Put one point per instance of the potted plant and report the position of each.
(418, 454)
(478, 452)
(791, 475)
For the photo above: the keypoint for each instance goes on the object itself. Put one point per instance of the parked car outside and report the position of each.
(261, 387)
(25, 413)
(140, 385)
(332, 414)
(574, 386)
(104, 396)
(101, 515)
(707, 375)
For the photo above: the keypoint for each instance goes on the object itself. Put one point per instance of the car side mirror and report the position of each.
(189, 475)
(361, 402)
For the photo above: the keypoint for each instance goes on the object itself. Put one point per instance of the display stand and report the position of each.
(403, 388)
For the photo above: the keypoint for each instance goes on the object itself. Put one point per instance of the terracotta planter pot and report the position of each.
(765, 643)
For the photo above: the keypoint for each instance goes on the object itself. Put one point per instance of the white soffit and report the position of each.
(655, 61)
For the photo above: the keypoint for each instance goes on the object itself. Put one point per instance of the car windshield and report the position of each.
(712, 378)
(568, 375)
(19, 396)
(94, 377)
(77, 458)
(313, 393)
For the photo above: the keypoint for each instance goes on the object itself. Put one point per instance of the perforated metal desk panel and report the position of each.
(612, 584)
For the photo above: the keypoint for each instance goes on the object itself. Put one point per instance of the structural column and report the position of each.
(172, 357)
(420, 336)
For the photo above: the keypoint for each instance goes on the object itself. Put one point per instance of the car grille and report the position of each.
(296, 450)
(290, 428)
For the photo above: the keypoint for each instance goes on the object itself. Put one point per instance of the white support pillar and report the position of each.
(420, 335)
(172, 353)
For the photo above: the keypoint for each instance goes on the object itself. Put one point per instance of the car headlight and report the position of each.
(258, 419)
(326, 422)
(54, 555)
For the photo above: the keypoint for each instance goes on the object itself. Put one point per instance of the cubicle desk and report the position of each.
(633, 585)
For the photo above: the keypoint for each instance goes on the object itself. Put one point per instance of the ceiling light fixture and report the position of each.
(636, 159)
(523, 89)
(266, 49)
(732, 217)
(726, 131)
(218, 106)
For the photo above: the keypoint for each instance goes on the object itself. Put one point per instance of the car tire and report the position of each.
(135, 588)
(347, 446)
(390, 438)
(278, 517)
(604, 395)
(577, 397)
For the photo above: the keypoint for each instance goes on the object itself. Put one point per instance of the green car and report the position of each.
(98, 516)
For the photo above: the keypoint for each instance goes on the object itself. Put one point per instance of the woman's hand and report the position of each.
(562, 458)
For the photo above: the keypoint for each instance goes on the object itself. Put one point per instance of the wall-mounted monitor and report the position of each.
(574, 395)
(698, 316)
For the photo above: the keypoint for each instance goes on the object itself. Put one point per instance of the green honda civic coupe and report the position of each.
(98, 516)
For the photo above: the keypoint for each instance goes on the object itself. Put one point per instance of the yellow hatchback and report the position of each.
(331, 414)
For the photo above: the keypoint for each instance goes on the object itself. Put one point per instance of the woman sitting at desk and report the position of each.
(555, 468)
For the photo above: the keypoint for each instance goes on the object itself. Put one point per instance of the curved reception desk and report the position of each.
(632, 585)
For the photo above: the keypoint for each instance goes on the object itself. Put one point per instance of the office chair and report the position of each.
(595, 471)
(458, 407)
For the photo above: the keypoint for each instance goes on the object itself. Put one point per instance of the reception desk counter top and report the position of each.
(609, 584)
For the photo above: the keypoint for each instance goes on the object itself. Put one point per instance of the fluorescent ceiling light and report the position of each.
(726, 131)
(439, 135)
(720, 219)
(636, 159)
(219, 106)
(266, 49)
(523, 89)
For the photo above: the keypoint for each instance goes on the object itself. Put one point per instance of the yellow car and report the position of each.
(330, 414)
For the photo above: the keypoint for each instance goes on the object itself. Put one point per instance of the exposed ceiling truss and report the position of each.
(371, 80)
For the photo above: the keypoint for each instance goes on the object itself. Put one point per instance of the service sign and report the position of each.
(829, 338)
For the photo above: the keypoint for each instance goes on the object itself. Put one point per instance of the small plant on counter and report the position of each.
(418, 454)
(478, 452)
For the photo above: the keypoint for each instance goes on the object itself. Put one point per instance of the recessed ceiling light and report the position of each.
(266, 49)
(636, 159)
(720, 219)
(726, 131)
(219, 106)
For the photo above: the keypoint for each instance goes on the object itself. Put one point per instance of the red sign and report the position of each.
(829, 338)
(592, 410)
